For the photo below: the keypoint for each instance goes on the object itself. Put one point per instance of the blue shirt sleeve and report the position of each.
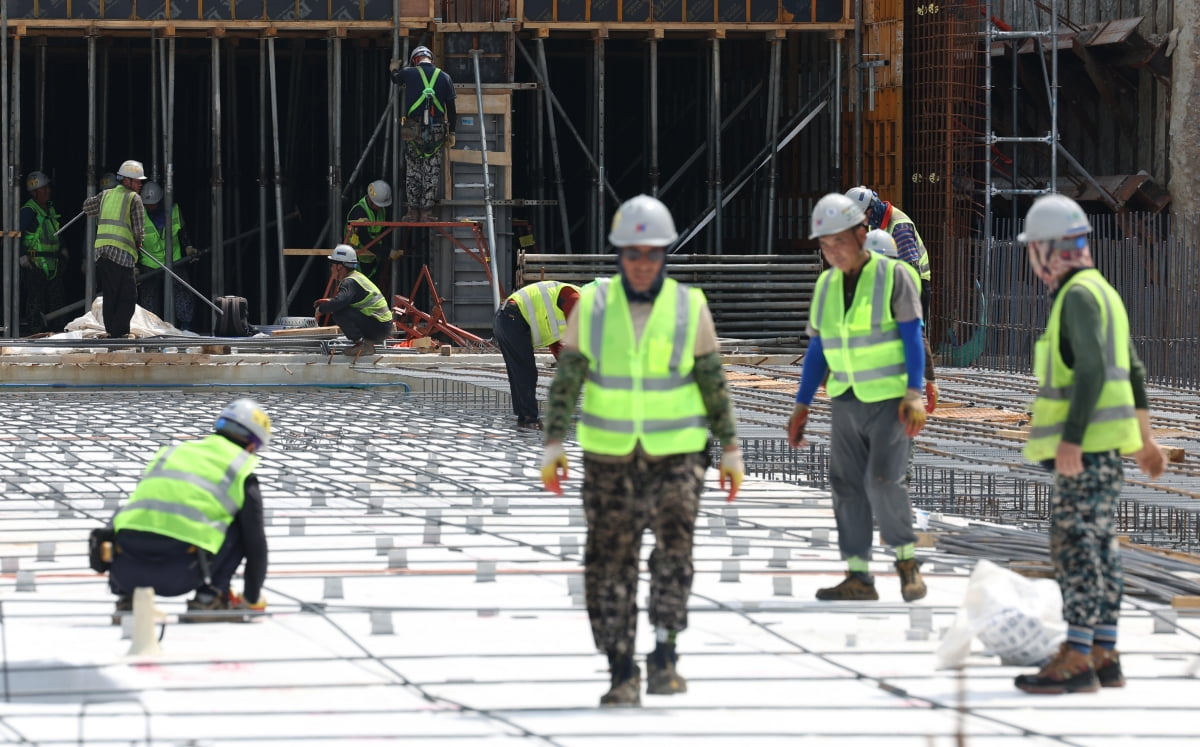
(914, 353)
(813, 372)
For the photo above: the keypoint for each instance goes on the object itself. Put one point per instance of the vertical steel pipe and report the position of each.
(168, 120)
(653, 105)
(218, 250)
(718, 222)
(772, 139)
(283, 299)
(487, 182)
(600, 222)
(543, 72)
(336, 222)
(263, 216)
(89, 247)
(11, 318)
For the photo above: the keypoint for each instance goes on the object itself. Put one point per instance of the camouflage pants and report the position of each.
(424, 172)
(621, 502)
(1083, 544)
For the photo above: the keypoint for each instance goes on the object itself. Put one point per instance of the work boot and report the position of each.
(427, 215)
(1070, 671)
(1107, 663)
(857, 586)
(362, 347)
(124, 607)
(912, 586)
(661, 677)
(210, 605)
(626, 688)
(532, 425)
(412, 216)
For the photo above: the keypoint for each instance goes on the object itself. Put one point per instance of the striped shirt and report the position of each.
(137, 226)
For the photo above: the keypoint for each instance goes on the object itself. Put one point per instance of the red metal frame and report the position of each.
(415, 323)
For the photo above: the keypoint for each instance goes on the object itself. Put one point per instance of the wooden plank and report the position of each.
(1185, 602)
(495, 158)
(307, 332)
(306, 252)
(493, 103)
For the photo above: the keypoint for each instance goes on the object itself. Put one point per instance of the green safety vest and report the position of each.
(427, 93)
(41, 244)
(190, 491)
(155, 242)
(862, 344)
(372, 231)
(899, 218)
(373, 305)
(645, 390)
(113, 228)
(1114, 422)
(538, 303)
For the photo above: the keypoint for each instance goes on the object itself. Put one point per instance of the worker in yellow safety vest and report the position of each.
(359, 307)
(43, 257)
(120, 233)
(643, 349)
(531, 318)
(1091, 409)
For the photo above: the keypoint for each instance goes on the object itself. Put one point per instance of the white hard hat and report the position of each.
(132, 170)
(865, 197)
(36, 180)
(152, 193)
(1052, 217)
(642, 221)
(108, 181)
(344, 254)
(420, 52)
(380, 193)
(881, 241)
(245, 420)
(835, 213)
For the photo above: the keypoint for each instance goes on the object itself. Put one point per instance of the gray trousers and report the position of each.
(868, 457)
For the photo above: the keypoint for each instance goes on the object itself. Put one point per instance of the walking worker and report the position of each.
(358, 308)
(533, 317)
(1091, 408)
(373, 209)
(885, 216)
(427, 126)
(43, 257)
(644, 350)
(865, 332)
(194, 516)
(150, 294)
(119, 237)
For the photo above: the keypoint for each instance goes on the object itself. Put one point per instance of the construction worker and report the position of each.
(119, 237)
(865, 332)
(1091, 408)
(43, 257)
(533, 317)
(429, 119)
(373, 208)
(358, 308)
(108, 181)
(910, 248)
(150, 293)
(644, 350)
(194, 516)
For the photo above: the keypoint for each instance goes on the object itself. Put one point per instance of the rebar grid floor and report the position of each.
(424, 589)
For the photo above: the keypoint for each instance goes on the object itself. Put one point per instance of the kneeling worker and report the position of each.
(193, 517)
(358, 308)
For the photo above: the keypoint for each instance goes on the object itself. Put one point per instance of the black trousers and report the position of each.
(120, 295)
(516, 345)
(356, 326)
(169, 566)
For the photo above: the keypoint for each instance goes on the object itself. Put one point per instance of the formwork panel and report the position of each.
(116, 9)
(345, 10)
(667, 10)
(381, 10)
(604, 10)
(699, 11)
(635, 11)
(731, 12)
(23, 9)
(539, 10)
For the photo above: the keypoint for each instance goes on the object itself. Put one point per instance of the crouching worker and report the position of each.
(359, 307)
(194, 516)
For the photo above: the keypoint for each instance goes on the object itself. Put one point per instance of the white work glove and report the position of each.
(394, 65)
(25, 262)
(554, 467)
(733, 469)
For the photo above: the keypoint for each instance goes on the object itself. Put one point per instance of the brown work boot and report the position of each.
(661, 677)
(1107, 663)
(626, 688)
(362, 347)
(857, 586)
(1070, 671)
(210, 605)
(124, 607)
(912, 586)
(412, 216)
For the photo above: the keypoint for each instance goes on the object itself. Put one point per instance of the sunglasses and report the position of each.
(632, 254)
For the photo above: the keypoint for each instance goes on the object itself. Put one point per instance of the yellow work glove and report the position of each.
(733, 469)
(241, 603)
(912, 413)
(931, 397)
(554, 467)
(796, 424)
(395, 254)
(451, 140)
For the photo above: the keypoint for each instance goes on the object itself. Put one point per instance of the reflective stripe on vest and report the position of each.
(641, 390)
(427, 93)
(1114, 420)
(113, 227)
(899, 218)
(373, 305)
(155, 240)
(547, 322)
(862, 344)
(191, 492)
(41, 244)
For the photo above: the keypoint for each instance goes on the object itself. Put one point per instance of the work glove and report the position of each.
(554, 467)
(451, 140)
(238, 602)
(733, 469)
(25, 262)
(64, 254)
(912, 413)
(320, 301)
(796, 425)
(395, 254)
(394, 65)
(191, 251)
(931, 397)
